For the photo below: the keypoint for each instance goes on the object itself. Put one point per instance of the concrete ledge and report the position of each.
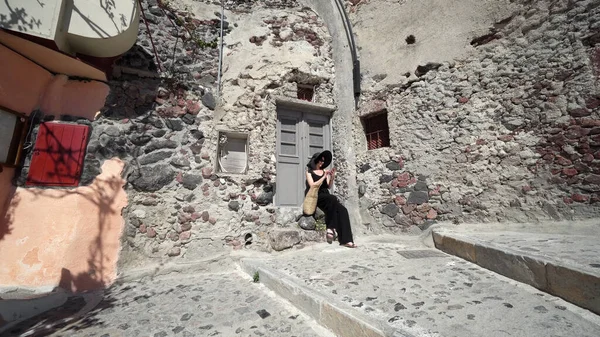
(298, 104)
(563, 280)
(332, 315)
(343, 323)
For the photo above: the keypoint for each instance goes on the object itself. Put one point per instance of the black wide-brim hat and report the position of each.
(312, 164)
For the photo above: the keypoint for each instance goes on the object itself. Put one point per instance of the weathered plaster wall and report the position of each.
(22, 82)
(442, 30)
(25, 87)
(6, 191)
(165, 127)
(506, 132)
(66, 237)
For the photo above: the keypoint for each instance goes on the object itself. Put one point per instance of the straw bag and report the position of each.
(309, 206)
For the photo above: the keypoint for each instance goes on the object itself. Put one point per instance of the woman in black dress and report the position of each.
(336, 215)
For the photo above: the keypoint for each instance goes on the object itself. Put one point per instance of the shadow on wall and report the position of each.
(5, 207)
(94, 266)
(19, 19)
(69, 237)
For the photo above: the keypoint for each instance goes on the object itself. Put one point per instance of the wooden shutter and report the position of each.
(58, 154)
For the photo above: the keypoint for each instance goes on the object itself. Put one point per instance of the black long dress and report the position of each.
(336, 215)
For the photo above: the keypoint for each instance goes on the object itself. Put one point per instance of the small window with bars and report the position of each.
(377, 131)
(306, 92)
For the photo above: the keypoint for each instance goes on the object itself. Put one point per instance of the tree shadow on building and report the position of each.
(88, 293)
(18, 19)
(6, 215)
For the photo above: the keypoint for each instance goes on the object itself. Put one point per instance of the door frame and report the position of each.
(296, 108)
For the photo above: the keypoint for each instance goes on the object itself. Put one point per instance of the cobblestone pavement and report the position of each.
(429, 293)
(400, 284)
(228, 304)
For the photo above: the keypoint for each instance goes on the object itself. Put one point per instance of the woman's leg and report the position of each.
(343, 221)
(326, 202)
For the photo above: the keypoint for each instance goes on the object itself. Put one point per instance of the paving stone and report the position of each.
(196, 305)
(431, 295)
(558, 263)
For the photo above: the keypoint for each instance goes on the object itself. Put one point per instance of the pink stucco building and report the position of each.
(55, 62)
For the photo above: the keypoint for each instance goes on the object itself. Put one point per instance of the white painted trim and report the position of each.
(304, 106)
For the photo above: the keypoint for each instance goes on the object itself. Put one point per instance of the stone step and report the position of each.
(332, 315)
(400, 287)
(564, 265)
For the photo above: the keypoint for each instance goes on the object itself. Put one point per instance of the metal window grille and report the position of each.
(377, 131)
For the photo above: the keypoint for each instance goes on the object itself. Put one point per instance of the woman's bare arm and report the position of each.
(328, 175)
(311, 182)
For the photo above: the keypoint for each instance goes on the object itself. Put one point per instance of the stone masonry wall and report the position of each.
(162, 118)
(509, 133)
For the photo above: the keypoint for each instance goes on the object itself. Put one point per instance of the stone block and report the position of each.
(402, 220)
(517, 267)
(234, 205)
(343, 323)
(418, 197)
(209, 101)
(393, 166)
(575, 286)
(456, 247)
(307, 223)
(313, 236)
(284, 239)
(153, 178)
(265, 198)
(175, 251)
(191, 181)
(155, 157)
(390, 210)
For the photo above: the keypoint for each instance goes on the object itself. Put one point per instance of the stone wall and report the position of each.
(163, 119)
(507, 133)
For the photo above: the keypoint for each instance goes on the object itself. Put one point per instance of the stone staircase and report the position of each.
(564, 265)
(399, 286)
